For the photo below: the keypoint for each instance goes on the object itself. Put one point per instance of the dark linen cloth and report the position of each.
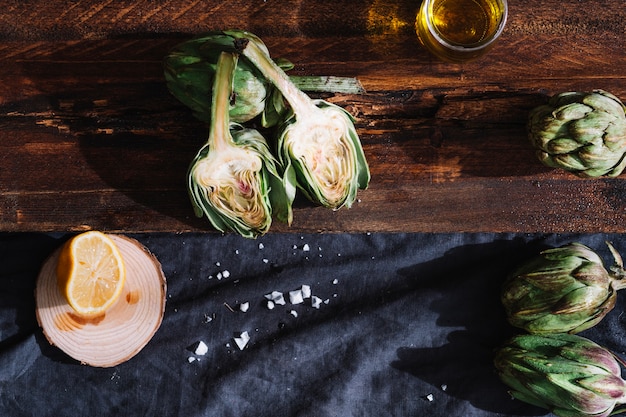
(406, 326)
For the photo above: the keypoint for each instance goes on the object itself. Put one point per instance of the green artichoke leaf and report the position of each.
(609, 386)
(592, 126)
(572, 111)
(571, 162)
(605, 102)
(562, 145)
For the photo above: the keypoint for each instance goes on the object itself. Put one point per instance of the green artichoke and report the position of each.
(190, 69)
(190, 66)
(318, 145)
(562, 290)
(234, 179)
(584, 133)
(567, 374)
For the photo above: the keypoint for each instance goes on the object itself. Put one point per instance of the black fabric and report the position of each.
(407, 327)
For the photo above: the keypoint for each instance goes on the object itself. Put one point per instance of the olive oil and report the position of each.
(457, 30)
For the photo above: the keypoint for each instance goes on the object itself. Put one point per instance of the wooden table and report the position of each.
(91, 138)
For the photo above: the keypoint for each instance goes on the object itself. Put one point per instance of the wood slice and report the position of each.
(124, 329)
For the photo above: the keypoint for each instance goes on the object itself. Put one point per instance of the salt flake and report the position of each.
(295, 297)
(277, 297)
(242, 340)
(316, 302)
(201, 349)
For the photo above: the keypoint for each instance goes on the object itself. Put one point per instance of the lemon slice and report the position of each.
(90, 273)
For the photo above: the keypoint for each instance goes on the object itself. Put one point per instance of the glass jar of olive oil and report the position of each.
(460, 30)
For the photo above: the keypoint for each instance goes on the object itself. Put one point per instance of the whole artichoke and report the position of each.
(584, 133)
(566, 374)
(562, 290)
(190, 69)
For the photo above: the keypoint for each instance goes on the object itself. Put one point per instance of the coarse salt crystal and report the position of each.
(295, 297)
(261, 246)
(191, 359)
(306, 247)
(316, 302)
(430, 397)
(270, 305)
(226, 273)
(294, 313)
(277, 297)
(244, 306)
(306, 291)
(201, 348)
(242, 340)
(335, 281)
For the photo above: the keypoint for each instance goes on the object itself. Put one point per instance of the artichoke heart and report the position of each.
(234, 179)
(583, 133)
(319, 148)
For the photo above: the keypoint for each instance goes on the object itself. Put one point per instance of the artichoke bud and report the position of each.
(562, 290)
(566, 374)
(190, 67)
(583, 133)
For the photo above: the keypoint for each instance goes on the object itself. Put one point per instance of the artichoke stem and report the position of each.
(297, 99)
(219, 131)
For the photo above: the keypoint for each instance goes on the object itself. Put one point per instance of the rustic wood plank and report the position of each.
(90, 137)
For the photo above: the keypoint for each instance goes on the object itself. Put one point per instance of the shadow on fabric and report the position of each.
(468, 280)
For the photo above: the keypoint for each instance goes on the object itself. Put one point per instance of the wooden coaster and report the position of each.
(124, 329)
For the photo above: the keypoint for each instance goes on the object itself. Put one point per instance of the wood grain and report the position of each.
(91, 139)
